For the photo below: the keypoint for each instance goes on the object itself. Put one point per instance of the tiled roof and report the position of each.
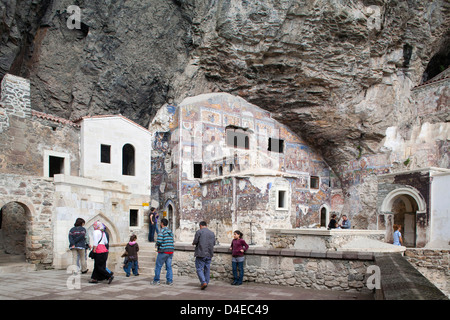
(53, 118)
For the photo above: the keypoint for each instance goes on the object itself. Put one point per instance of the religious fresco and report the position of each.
(227, 187)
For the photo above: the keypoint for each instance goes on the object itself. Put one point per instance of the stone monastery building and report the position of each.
(214, 157)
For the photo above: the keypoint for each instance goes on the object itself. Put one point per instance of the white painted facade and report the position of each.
(440, 211)
(103, 192)
(116, 132)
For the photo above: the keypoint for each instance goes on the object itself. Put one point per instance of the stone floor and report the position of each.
(59, 285)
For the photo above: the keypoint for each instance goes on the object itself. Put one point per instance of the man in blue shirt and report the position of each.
(345, 222)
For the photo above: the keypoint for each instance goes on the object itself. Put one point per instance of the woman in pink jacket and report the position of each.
(238, 248)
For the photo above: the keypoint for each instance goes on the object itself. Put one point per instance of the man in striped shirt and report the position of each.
(164, 244)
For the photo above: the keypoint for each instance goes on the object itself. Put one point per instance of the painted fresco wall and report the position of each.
(239, 187)
(165, 163)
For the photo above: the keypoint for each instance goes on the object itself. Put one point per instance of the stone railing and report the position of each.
(335, 239)
(324, 270)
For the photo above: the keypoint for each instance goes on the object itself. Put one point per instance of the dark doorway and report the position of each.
(128, 160)
(134, 217)
(323, 217)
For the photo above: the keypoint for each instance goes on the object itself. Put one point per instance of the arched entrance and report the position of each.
(401, 207)
(14, 224)
(404, 209)
(324, 216)
(170, 214)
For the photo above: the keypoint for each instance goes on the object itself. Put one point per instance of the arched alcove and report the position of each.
(401, 207)
(324, 215)
(170, 214)
(112, 231)
(15, 226)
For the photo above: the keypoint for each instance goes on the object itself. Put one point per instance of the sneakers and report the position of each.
(157, 283)
(204, 285)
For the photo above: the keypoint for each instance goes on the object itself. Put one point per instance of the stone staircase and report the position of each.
(12, 263)
(147, 258)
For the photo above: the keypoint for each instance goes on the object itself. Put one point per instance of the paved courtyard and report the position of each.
(59, 285)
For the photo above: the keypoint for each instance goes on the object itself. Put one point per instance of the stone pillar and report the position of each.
(15, 96)
(15, 99)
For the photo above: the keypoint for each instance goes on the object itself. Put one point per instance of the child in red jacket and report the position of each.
(238, 248)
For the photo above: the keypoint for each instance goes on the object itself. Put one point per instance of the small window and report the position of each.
(198, 170)
(238, 138)
(220, 171)
(133, 218)
(276, 145)
(314, 184)
(282, 199)
(56, 165)
(105, 153)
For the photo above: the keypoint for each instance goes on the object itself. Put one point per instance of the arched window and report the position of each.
(323, 217)
(128, 160)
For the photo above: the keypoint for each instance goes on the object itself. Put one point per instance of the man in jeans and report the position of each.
(204, 241)
(165, 246)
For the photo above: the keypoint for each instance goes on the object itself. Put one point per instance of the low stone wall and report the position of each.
(324, 270)
(319, 239)
(433, 264)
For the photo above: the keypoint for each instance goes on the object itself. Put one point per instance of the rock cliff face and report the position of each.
(339, 73)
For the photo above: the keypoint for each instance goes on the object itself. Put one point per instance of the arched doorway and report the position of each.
(14, 224)
(128, 161)
(324, 216)
(404, 209)
(169, 214)
(401, 207)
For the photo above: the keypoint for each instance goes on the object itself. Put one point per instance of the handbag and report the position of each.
(92, 253)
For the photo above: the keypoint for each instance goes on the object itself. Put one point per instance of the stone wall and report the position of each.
(15, 93)
(35, 196)
(322, 270)
(433, 264)
(26, 135)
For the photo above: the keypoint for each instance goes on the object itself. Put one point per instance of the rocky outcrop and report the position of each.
(339, 73)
